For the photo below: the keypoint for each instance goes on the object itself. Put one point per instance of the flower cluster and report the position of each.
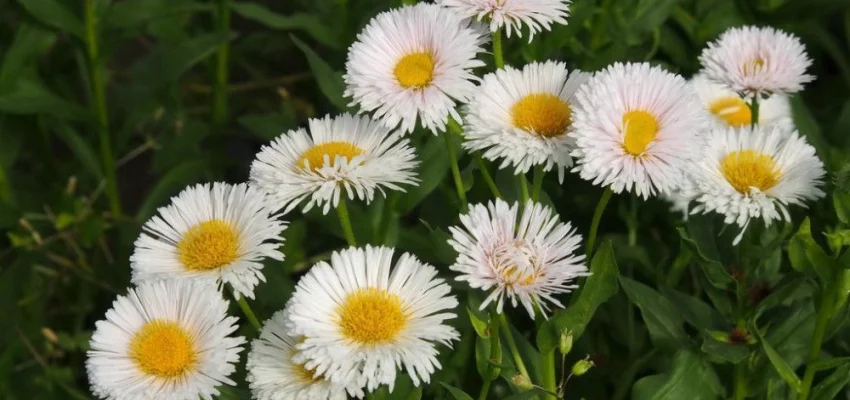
(723, 140)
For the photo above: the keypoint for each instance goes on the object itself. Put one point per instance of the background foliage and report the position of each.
(154, 95)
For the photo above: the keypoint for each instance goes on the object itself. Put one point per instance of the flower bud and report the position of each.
(565, 344)
(522, 382)
(582, 366)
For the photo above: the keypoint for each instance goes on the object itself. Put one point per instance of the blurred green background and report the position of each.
(108, 108)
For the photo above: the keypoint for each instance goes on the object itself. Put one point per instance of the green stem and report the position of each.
(509, 338)
(537, 184)
(523, 187)
(246, 309)
(345, 222)
(741, 380)
(461, 193)
(824, 313)
(98, 105)
(497, 49)
(754, 111)
(485, 388)
(597, 216)
(488, 179)
(219, 107)
(387, 215)
(547, 370)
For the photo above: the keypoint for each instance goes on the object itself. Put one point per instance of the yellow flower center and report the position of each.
(748, 169)
(163, 349)
(640, 129)
(314, 157)
(733, 110)
(752, 67)
(415, 70)
(305, 375)
(543, 113)
(208, 245)
(372, 316)
(515, 275)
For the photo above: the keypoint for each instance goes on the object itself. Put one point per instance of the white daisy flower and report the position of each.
(523, 116)
(164, 340)
(363, 317)
(636, 128)
(346, 154)
(218, 233)
(414, 61)
(757, 60)
(749, 174)
(728, 108)
(528, 257)
(274, 375)
(538, 15)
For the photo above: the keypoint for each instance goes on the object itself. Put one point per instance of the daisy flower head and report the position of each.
(414, 62)
(636, 128)
(346, 155)
(523, 116)
(728, 108)
(164, 340)
(756, 60)
(537, 15)
(212, 232)
(755, 173)
(272, 372)
(525, 255)
(363, 316)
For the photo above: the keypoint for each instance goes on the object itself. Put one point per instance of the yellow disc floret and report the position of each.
(372, 316)
(747, 169)
(415, 70)
(163, 349)
(640, 128)
(544, 114)
(208, 245)
(733, 110)
(314, 157)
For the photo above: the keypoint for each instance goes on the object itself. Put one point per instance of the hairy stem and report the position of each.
(98, 105)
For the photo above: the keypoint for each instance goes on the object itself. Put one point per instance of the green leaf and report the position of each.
(330, 81)
(807, 256)
(433, 167)
(267, 126)
(167, 63)
(28, 97)
(478, 324)
(81, 149)
(456, 393)
(809, 127)
(132, 14)
(695, 311)
(31, 41)
(829, 388)
(831, 363)
(690, 377)
(650, 14)
(662, 319)
(600, 286)
(53, 13)
(725, 352)
(785, 371)
(170, 184)
(701, 236)
(305, 22)
(841, 202)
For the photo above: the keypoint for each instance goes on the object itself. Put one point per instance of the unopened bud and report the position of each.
(566, 342)
(582, 366)
(522, 382)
